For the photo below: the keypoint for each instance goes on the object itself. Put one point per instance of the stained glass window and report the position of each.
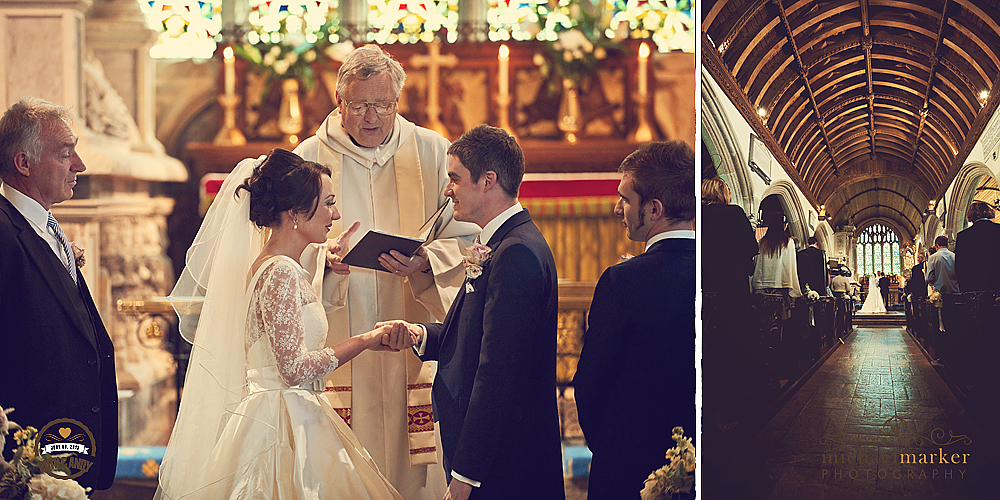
(304, 22)
(411, 21)
(878, 250)
(191, 29)
(187, 29)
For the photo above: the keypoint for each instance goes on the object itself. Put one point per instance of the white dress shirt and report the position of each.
(36, 215)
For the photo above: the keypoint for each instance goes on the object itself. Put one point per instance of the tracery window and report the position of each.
(878, 250)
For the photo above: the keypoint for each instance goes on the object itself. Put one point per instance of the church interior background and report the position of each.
(164, 110)
(872, 125)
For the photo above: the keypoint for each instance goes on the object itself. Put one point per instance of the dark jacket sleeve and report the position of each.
(602, 345)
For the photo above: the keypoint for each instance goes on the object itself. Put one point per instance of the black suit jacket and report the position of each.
(495, 389)
(813, 269)
(883, 288)
(54, 346)
(976, 264)
(636, 380)
(728, 247)
(917, 284)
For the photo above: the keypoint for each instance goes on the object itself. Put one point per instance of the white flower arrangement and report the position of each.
(675, 477)
(811, 295)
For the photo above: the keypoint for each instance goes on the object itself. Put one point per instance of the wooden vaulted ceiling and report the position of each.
(872, 106)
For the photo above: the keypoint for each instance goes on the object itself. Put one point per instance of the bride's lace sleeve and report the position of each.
(281, 313)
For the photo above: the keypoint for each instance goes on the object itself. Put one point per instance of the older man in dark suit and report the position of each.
(976, 265)
(635, 380)
(52, 339)
(495, 389)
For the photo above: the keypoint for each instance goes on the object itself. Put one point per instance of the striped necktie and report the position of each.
(68, 259)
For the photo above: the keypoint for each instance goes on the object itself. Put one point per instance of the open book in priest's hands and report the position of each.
(374, 243)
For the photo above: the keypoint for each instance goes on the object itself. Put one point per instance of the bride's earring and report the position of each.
(296, 224)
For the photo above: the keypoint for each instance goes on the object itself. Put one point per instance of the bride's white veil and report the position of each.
(210, 300)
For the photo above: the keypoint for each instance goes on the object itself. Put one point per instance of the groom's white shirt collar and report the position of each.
(491, 227)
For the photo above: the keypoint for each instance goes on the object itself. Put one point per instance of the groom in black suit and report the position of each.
(636, 377)
(52, 340)
(495, 389)
(883, 288)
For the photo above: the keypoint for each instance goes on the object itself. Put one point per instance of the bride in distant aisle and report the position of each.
(254, 422)
(873, 302)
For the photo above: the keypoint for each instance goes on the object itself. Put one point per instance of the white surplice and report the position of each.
(371, 189)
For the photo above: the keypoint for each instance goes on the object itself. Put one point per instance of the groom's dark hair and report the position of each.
(485, 148)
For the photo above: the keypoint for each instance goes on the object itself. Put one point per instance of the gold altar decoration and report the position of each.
(434, 61)
(569, 111)
(290, 113)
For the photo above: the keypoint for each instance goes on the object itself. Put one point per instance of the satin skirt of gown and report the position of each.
(873, 302)
(310, 453)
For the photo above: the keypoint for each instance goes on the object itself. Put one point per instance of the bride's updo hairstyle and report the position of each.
(284, 181)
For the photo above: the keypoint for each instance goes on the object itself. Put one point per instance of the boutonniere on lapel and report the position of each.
(78, 254)
(479, 254)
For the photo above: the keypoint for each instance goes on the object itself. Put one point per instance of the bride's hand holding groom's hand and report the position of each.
(409, 333)
(393, 336)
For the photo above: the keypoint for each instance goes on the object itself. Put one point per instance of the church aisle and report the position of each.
(874, 422)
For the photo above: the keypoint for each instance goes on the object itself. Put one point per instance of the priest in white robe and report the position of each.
(389, 175)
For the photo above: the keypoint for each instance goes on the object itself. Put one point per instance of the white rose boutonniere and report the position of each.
(479, 254)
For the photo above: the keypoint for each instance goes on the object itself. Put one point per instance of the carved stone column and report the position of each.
(118, 36)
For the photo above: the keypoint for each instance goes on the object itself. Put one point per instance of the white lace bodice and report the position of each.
(286, 324)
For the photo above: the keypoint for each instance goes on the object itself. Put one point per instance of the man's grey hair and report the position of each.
(367, 61)
(20, 129)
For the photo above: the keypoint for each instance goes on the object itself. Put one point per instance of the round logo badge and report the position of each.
(67, 447)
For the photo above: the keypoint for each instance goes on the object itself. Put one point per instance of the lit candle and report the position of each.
(230, 63)
(504, 61)
(643, 60)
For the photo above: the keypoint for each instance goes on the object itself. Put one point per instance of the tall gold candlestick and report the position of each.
(230, 64)
(503, 60)
(643, 132)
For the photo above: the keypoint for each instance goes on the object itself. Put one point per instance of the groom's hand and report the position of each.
(404, 335)
(458, 490)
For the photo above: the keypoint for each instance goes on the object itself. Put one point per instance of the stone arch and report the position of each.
(797, 223)
(824, 234)
(717, 133)
(961, 196)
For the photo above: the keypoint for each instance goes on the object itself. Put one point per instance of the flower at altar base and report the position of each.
(285, 45)
(22, 478)
(476, 260)
(675, 477)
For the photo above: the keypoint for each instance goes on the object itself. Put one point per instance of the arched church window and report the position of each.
(878, 250)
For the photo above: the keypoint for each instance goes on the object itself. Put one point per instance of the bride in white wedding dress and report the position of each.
(873, 302)
(254, 422)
